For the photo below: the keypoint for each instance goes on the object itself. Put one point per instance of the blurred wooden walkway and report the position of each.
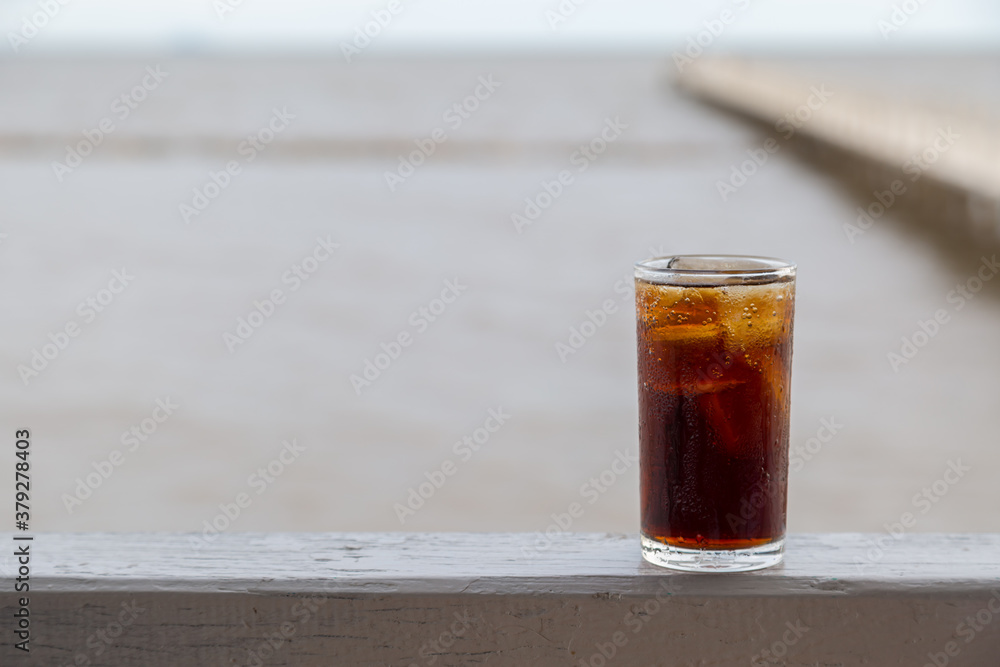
(951, 141)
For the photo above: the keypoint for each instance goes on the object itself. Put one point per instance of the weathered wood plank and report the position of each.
(409, 563)
(450, 599)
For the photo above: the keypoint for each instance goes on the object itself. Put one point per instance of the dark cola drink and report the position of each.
(714, 361)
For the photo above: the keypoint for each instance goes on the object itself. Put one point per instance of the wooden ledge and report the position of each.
(500, 599)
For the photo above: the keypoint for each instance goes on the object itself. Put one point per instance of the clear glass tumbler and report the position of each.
(715, 350)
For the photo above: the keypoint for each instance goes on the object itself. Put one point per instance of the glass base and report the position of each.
(711, 560)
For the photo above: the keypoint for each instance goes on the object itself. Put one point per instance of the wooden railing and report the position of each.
(499, 599)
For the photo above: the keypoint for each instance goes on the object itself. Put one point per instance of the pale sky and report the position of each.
(512, 25)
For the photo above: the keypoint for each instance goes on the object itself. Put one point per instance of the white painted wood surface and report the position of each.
(382, 599)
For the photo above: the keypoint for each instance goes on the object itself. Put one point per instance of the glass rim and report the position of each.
(720, 269)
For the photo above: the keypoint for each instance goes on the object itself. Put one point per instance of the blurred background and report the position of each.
(367, 265)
